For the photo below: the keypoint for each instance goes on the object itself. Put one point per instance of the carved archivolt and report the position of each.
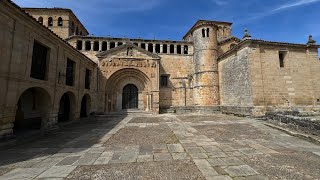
(129, 63)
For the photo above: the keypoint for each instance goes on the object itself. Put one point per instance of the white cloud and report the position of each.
(294, 4)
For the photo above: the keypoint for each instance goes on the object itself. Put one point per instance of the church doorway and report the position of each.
(85, 106)
(130, 97)
(64, 109)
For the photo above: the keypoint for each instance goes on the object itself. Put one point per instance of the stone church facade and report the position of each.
(53, 71)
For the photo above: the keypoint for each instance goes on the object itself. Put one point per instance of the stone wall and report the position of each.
(294, 85)
(18, 33)
(235, 80)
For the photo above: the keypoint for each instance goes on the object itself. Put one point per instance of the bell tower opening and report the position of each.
(130, 97)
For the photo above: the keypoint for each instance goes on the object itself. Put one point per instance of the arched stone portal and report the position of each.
(130, 97)
(33, 110)
(128, 89)
(66, 107)
(85, 106)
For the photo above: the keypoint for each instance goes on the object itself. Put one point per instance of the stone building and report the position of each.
(52, 71)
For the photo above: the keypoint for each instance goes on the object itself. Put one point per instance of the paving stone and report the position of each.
(220, 170)
(162, 157)
(57, 171)
(97, 150)
(68, 160)
(189, 144)
(205, 168)
(232, 161)
(234, 153)
(195, 150)
(226, 148)
(263, 149)
(146, 150)
(219, 178)
(104, 158)
(216, 162)
(211, 148)
(87, 159)
(175, 148)
(180, 156)
(160, 148)
(145, 158)
(250, 151)
(198, 155)
(22, 173)
(49, 162)
(317, 153)
(217, 154)
(242, 170)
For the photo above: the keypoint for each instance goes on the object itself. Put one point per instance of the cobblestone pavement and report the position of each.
(163, 147)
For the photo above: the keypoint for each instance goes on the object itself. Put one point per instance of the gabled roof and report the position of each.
(224, 40)
(264, 42)
(125, 46)
(204, 22)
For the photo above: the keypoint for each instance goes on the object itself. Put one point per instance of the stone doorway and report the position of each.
(130, 97)
(64, 110)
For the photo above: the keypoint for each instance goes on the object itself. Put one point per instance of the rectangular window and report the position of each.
(164, 81)
(87, 79)
(281, 58)
(70, 71)
(39, 61)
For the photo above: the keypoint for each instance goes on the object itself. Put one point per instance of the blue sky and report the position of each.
(276, 20)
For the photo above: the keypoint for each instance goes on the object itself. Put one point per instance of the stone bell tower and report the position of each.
(205, 82)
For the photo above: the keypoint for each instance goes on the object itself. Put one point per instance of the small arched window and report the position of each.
(165, 48)
(40, 20)
(79, 45)
(104, 46)
(171, 49)
(120, 43)
(185, 49)
(207, 32)
(50, 21)
(178, 49)
(150, 47)
(60, 21)
(203, 33)
(112, 45)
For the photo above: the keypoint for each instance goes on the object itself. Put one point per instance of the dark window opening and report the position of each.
(77, 31)
(60, 21)
(112, 45)
(207, 32)
(81, 33)
(72, 27)
(143, 45)
(40, 20)
(203, 33)
(120, 43)
(104, 46)
(150, 47)
(79, 45)
(70, 72)
(157, 48)
(178, 49)
(136, 44)
(165, 48)
(171, 49)
(87, 79)
(50, 21)
(281, 59)
(88, 45)
(39, 61)
(164, 81)
(185, 50)
(232, 46)
(96, 46)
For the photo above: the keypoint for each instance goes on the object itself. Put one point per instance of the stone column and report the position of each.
(92, 45)
(83, 45)
(175, 49)
(148, 102)
(161, 48)
(154, 48)
(139, 44)
(182, 49)
(100, 45)
(108, 45)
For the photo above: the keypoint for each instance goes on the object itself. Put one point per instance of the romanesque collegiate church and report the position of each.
(52, 71)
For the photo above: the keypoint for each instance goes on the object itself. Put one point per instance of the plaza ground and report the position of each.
(142, 146)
